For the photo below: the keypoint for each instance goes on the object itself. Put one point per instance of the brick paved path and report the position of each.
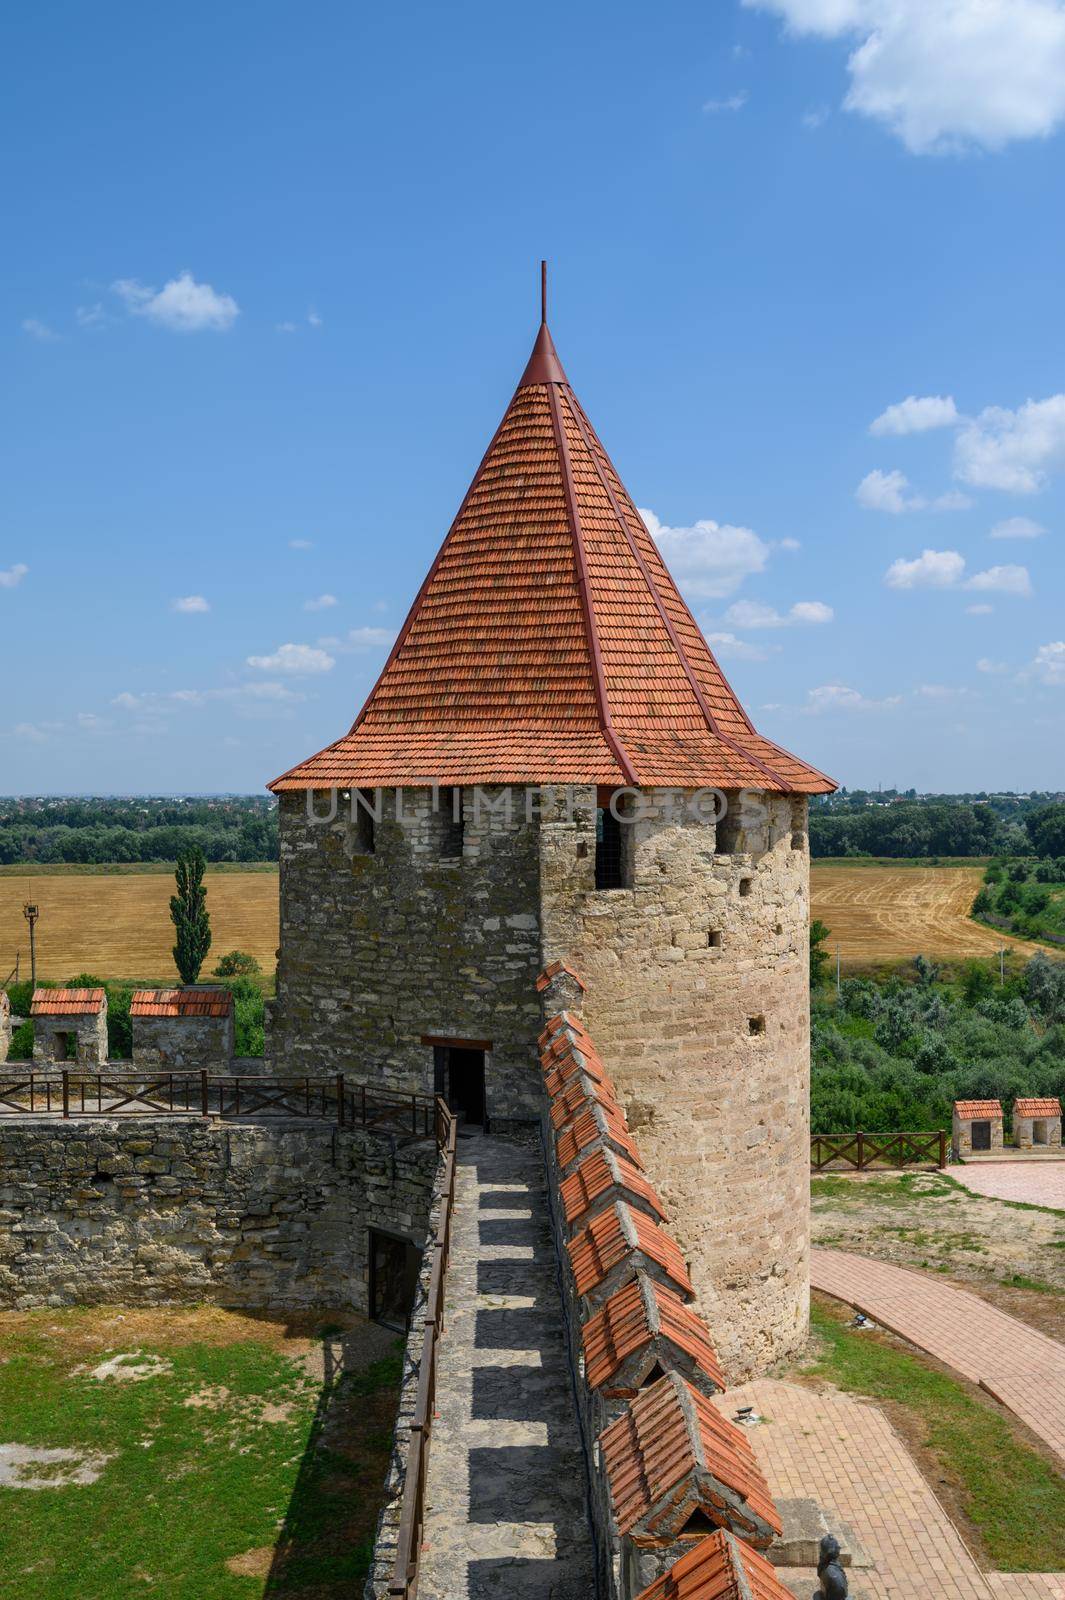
(844, 1454)
(1022, 1368)
(1038, 1183)
(506, 1487)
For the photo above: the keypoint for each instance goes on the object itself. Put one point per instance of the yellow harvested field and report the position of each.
(894, 913)
(118, 925)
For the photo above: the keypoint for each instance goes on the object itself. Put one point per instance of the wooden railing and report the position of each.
(74, 1092)
(404, 1580)
(861, 1150)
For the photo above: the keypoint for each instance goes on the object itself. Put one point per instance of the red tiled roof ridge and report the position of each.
(971, 1110)
(212, 1000)
(600, 1170)
(719, 1567)
(66, 1002)
(1037, 1106)
(552, 970)
(548, 642)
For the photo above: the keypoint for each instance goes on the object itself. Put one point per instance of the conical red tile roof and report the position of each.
(549, 643)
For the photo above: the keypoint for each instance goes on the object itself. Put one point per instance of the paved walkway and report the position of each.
(844, 1454)
(1037, 1183)
(506, 1513)
(1022, 1368)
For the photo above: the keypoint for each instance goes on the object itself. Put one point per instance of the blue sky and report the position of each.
(271, 275)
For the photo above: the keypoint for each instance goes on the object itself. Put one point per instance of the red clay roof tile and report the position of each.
(672, 1447)
(548, 642)
(187, 1002)
(618, 1236)
(598, 1123)
(719, 1567)
(977, 1110)
(552, 971)
(575, 1095)
(1048, 1107)
(603, 1173)
(67, 1002)
(634, 1319)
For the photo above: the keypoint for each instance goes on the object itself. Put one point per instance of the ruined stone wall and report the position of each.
(697, 995)
(150, 1211)
(378, 950)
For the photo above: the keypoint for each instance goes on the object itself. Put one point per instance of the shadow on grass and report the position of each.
(326, 1542)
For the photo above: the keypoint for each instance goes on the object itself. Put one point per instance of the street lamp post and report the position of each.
(31, 911)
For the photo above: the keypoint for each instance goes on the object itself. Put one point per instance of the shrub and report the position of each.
(236, 964)
(22, 1043)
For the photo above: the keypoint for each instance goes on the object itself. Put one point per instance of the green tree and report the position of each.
(819, 958)
(1046, 830)
(236, 964)
(188, 912)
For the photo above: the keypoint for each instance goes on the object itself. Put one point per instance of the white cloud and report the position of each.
(39, 330)
(313, 318)
(1012, 450)
(816, 117)
(30, 732)
(888, 491)
(358, 639)
(300, 658)
(322, 603)
(1049, 663)
(93, 316)
(753, 614)
(190, 605)
(182, 304)
(153, 702)
(710, 559)
(979, 610)
(732, 102)
(838, 697)
(301, 544)
(985, 664)
(914, 415)
(11, 577)
(946, 74)
(1017, 528)
(884, 491)
(729, 648)
(932, 569)
(285, 327)
(1002, 580)
(786, 544)
(92, 723)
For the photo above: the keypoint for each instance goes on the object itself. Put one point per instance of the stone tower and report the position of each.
(553, 766)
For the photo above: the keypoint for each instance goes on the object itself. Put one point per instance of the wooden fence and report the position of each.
(404, 1580)
(862, 1150)
(74, 1092)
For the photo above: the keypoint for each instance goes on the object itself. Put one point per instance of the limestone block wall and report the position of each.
(379, 950)
(697, 995)
(90, 1033)
(150, 1211)
(962, 1131)
(183, 1043)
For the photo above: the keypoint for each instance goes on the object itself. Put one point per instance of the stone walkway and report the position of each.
(1023, 1369)
(506, 1514)
(844, 1454)
(1037, 1183)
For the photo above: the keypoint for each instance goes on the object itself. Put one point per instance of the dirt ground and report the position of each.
(1014, 1256)
(884, 914)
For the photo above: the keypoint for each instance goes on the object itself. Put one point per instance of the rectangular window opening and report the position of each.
(610, 851)
(394, 1267)
(365, 814)
(745, 886)
(798, 841)
(713, 938)
(452, 825)
(756, 1026)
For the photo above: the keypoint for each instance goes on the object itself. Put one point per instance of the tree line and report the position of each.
(97, 830)
(915, 828)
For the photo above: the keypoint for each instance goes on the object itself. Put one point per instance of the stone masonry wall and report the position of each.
(380, 949)
(697, 996)
(90, 1033)
(149, 1211)
(183, 1043)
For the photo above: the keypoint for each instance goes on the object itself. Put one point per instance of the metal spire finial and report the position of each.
(543, 291)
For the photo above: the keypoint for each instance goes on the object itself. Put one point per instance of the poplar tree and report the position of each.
(188, 912)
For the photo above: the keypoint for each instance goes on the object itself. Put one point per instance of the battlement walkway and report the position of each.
(506, 1492)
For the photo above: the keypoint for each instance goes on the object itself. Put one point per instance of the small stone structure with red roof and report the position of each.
(1037, 1123)
(183, 1029)
(719, 1567)
(69, 1027)
(976, 1126)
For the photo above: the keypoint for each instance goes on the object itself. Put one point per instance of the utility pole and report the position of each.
(839, 984)
(31, 911)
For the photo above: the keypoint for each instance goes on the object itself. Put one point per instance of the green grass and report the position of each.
(901, 1191)
(1012, 1495)
(188, 1487)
